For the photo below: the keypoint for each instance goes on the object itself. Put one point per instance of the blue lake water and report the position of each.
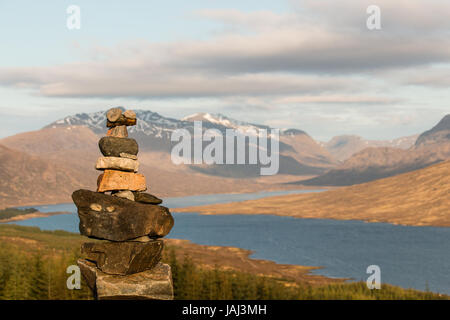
(411, 257)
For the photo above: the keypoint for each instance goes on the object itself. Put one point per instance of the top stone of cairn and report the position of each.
(116, 117)
(113, 114)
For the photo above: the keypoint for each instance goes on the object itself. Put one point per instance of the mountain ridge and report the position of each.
(60, 144)
(376, 163)
(345, 146)
(439, 133)
(153, 133)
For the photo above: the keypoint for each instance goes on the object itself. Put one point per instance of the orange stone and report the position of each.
(112, 180)
(119, 132)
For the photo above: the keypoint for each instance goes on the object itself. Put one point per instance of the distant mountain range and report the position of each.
(437, 135)
(299, 153)
(373, 163)
(65, 152)
(45, 166)
(343, 147)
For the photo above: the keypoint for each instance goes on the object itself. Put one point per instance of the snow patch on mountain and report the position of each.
(153, 124)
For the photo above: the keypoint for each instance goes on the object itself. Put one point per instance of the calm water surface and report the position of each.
(411, 257)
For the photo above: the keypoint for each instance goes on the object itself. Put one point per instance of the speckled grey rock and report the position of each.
(155, 284)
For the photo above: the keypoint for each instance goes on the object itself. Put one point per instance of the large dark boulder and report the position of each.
(113, 146)
(116, 219)
(123, 257)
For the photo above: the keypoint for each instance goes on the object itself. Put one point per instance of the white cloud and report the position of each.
(398, 17)
(315, 49)
(319, 61)
(338, 99)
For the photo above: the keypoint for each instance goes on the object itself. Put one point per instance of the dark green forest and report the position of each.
(33, 265)
(9, 213)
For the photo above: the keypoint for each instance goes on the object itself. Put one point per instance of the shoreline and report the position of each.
(302, 206)
(207, 256)
(206, 211)
(238, 259)
(417, 198)
(33, 215)
(68, 199)
(225, 258)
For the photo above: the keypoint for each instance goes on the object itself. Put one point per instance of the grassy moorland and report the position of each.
(418, 198)
(33, 266)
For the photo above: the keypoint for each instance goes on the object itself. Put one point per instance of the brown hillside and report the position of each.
(28, 179)
(307, 151)
(377, 163)
(419, 198)
(373, 163)
(76, 146)
(47, 165)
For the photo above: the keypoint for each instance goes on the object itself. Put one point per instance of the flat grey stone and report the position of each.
(117, 163)
(155, 284)
(146, 198)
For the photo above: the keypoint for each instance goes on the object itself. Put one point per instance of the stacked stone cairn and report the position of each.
(130, 223)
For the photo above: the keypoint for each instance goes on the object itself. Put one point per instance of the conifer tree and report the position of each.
(39, 279)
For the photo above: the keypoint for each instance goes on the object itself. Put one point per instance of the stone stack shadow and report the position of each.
(130, 223)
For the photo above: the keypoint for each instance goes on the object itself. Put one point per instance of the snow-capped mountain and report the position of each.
(299, 153)
(220, 119)
(150, 123)
(153, 124)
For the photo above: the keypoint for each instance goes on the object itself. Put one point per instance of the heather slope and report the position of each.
(417, 198)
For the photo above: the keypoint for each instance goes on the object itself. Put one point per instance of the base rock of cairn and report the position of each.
(130, 223)
(155, 284)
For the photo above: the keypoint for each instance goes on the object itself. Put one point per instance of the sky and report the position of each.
(313, 65)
